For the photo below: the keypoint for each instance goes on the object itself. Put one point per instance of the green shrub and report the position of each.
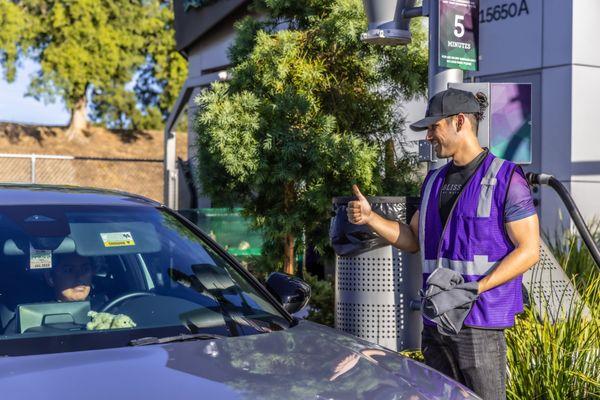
(572, 254)
(560, 359)
(556, 359)
(322, 302)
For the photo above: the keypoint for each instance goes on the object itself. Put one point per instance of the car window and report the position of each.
(81, 270)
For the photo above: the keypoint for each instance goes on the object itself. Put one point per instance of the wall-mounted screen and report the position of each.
(510, 131)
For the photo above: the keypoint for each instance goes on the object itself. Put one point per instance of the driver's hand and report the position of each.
(359, 211)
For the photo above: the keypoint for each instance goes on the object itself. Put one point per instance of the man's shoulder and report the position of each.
(518, 202)
(509, 167)
(512, 169)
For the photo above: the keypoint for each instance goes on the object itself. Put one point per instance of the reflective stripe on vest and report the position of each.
(480, 264)
(423, 212)
(488, 183)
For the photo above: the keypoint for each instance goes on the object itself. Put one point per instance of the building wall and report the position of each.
(585, 150)
(555, 135)
(207, 57)
(550, 47)
(585, 147)
(512, 44)
(211, 53)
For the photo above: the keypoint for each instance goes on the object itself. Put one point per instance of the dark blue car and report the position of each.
(105, 295)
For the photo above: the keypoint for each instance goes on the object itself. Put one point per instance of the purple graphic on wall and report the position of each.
(510, 136)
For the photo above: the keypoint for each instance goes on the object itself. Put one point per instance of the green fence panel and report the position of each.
(228, 228)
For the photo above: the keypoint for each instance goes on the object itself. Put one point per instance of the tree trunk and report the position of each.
(389, 158)
(288, 246)
(78, 120)
(288, 265)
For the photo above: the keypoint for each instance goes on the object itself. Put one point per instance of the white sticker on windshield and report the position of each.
(39, 259)
(116, 239)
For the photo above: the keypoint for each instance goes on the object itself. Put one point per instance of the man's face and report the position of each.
(444, 137)
(72, 278)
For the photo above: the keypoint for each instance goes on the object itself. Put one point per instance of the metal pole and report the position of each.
(438, 77)
(33, 168)
(170, 165)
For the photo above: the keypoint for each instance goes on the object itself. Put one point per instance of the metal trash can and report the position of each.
(376, 283)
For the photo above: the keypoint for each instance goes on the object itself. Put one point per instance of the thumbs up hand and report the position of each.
(359, 211)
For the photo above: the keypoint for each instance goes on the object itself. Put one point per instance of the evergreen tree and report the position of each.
(308, 112)
(89, 51)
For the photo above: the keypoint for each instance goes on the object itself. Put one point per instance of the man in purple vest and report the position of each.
(476, 218)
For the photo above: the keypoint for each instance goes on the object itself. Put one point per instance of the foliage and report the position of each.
(416, 355)
(268, 261)
(322, 300)
(560, 359)
(161, 78)
(16, 25)
(307, 112)
(574, 256)
(400, 175)
(95, 50)
(557, 360)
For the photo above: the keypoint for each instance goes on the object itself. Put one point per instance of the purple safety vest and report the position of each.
(474, 240)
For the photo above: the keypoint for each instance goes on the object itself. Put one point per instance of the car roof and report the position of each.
(29, 194)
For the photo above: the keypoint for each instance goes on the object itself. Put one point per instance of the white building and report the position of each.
(550, 44)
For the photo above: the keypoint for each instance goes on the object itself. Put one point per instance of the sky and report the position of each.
(15, 107)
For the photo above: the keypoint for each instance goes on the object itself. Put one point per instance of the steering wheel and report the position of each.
(124, 297)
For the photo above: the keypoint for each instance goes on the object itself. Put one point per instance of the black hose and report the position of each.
(565, 196)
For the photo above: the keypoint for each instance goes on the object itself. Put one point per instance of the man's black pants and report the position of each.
(475, 357)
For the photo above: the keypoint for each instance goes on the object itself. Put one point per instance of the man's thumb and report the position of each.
(357, 192)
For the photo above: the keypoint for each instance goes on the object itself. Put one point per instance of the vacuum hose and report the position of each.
(565, 196)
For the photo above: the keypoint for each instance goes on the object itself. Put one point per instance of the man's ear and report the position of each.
(460, 121)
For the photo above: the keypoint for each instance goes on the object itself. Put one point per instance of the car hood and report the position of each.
(307, 361)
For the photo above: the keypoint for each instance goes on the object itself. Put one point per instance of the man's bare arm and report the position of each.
(525, 235)
(400, 235)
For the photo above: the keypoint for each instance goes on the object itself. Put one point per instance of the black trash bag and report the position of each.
(348, 239)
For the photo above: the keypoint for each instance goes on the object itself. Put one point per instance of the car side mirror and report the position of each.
(292, 292)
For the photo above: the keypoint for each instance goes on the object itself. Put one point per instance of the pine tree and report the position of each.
(306, 114)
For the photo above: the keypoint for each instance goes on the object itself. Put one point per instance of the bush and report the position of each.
(321, 306)
(322, 302)
(556, 359)
(560, 359)
(572, 254)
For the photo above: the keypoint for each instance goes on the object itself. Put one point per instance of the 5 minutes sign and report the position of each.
(458, 34)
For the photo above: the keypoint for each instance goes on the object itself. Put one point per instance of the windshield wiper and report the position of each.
(169, 339)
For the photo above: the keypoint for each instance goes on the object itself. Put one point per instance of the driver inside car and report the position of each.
(71, 280)
(71, 277)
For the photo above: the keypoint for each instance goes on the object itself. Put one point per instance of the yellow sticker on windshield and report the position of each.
(117, 239)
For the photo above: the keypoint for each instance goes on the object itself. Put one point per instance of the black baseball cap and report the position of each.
(447, 103)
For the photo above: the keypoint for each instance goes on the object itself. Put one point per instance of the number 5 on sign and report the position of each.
(458, 32)
(459, 28)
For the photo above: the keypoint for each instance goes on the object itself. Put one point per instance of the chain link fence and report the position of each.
(139, 176)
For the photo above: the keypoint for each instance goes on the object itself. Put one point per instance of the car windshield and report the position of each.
(103, 276)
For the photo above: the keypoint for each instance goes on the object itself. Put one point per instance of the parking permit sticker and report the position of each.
(117, 239)
(39, 259)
